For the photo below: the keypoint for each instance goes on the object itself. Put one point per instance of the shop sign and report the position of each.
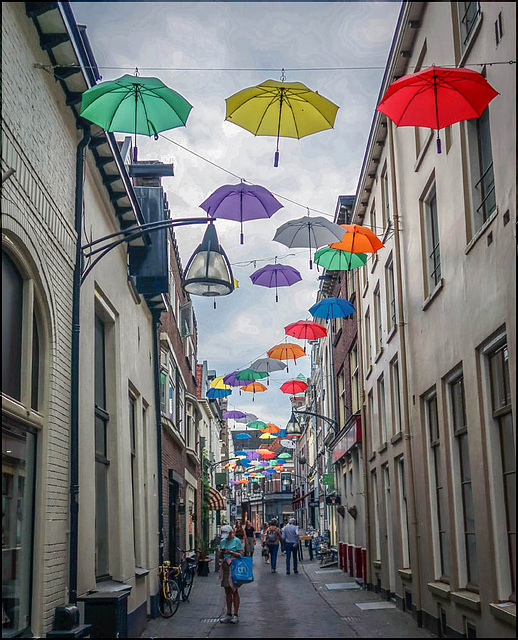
(328, 479)
(351, 437)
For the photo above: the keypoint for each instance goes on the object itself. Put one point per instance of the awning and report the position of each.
(216, 500)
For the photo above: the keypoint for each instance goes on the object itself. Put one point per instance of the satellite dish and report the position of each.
(288, 444)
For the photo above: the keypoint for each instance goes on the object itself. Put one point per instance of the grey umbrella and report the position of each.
(268, 365)
(249, 417)
(310, 232)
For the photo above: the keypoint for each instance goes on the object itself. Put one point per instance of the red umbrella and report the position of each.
(436, 98)
(294, 386)
(305, 330)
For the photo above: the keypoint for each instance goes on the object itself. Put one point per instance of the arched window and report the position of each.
(21, 420)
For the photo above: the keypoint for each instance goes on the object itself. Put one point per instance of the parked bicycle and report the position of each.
(175, 582)
(184, 574)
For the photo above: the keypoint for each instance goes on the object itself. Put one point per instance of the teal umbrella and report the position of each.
(338, 260)
(132, 104)
(251, 375)
(257, 424)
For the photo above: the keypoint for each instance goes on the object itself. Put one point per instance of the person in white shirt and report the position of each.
(290, 535)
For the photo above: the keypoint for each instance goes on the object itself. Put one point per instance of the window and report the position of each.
(463, 474)
(385, 198)
(341, 397)
(396, 396)
(351, 283)
(377, 555)
(134, 474)
(180, 405)
(437, 499)
(374, 224)
(469, 14)
(391, 295)
(403, 513)
(172, 389)
(499, 29)
(382, 410)
(374, 429)
(378, 325)
(101, 452)
(431, 242)
(368, 348)
(355, 385)
(481, 170)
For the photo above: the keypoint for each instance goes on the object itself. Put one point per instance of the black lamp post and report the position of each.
(293, 427)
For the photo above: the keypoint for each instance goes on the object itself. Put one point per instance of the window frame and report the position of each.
(390, 291)
(395, 395)
(382, 409)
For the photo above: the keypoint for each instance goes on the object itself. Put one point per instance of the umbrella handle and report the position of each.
(438, 142)
(276, 159)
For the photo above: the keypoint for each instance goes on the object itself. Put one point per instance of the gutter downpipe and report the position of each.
(74, 374)
(158, 413)
(401, 324)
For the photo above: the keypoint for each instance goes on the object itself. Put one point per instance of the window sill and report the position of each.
(386, 231)
(481, 231)
(365, 289)
(378, 355)
(397, 437)
(372, 456)
(433, 295)
(392, 333)
(367, 376)
(405, 574)
(505, 611)
(374, 262)
(382, 448)
(423, 151)
(471, 40)
(466, 599)
(440, 589)
(141, 573)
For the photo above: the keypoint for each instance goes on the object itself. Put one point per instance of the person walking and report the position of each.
(265, 551)
(250, 539)
(230, 547)
(273, 538)
(240, 533)
(290, 535)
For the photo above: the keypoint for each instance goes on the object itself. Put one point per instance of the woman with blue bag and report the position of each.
(230, 548)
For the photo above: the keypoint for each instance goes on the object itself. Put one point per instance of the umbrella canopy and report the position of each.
(271, 428)
(276, 275)
(267, 436)
(288, 444)
(253, 455)
(257, 424)
(249, 417)
(266, 453)
(249, 375)
(358, 239)
(332, 308)
(240, 453)
(218, 393)
(132, 104)
(436, 98)
(233, 415)
(305, 330)
(294, 387)
(284, 455)
(282, 109)
(264, 463)
(218, 383)
(241, 202)
(308, 232)
(282, 433)
(254, 387)
(268, 365)
(338, 260)
(286, 351)
(242, 436)
(232, 381)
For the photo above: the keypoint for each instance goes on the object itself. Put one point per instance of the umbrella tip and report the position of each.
(438, 145)
(276, 159)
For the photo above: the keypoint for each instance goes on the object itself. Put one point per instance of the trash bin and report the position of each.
(107, 613)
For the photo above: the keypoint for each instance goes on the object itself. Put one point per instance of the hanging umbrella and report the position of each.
(338, 260)
(305, 330)
(218, 393)
(266, 453)
(218, 383)
(233, 415)
(358, 239)
(254, 387)
(257, 424)
(286, 351)
(284, 456)
(308, 232)
(267, 436)
(287, 109)
(241, 202)
(249, 417)
(264, 463)
(271, 428)
(132, 104)
(249, 375)
(294, 387)
(232, 381)
(240, 453)
(436, 98)
(268, 365)
(253, 455)
(332, 308)
(242, 436)
(276, 275)
(288, 444)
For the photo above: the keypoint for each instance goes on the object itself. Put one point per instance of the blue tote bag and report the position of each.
(242, 572)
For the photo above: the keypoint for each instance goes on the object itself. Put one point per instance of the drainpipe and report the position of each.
(74, 378)
(156, 358)
(401, 325)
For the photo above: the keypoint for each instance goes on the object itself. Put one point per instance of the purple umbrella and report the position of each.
(234, 415)
(264, 463)
(232, 381)
(241, 202)
(276, 275)
(253, 455)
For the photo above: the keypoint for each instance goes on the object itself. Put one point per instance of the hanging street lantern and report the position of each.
(293, 427)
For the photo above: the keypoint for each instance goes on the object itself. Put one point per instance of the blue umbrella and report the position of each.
(242, 436)
(332, 308)
(218, 393)
(240, 453)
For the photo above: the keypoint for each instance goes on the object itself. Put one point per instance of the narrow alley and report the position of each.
(315, 603)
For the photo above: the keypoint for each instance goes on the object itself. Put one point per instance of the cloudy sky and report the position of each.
(208, 51)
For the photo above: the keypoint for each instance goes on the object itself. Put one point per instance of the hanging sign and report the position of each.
(328, 479)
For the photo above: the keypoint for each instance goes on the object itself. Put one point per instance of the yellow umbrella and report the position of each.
(287, 109)
(218, 383)
(267, 436)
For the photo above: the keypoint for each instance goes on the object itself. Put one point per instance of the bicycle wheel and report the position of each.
(187, 583)
(168, 598)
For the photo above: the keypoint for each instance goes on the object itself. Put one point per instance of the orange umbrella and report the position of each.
(270, 428)
(286, 351)
(254, 387)
(358, 239)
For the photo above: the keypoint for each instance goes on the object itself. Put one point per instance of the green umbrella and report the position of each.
(257, 424)
(338, 260)
(132, 104)
(250, 374)
(284, 455)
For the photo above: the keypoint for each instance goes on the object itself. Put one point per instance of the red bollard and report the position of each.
(350, 558)
(364, 565)
(340, 556)
(358, 562)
